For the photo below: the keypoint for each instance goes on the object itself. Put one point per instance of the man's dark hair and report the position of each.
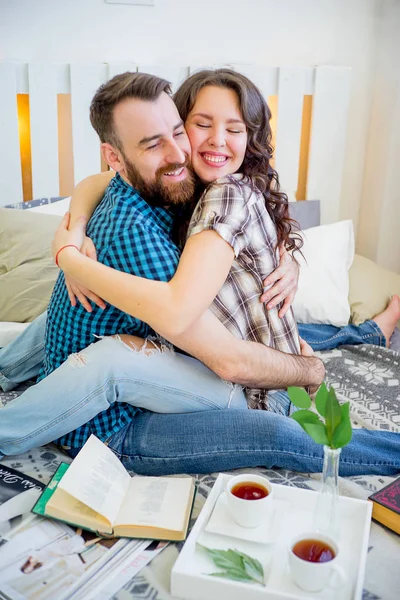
(140, 86)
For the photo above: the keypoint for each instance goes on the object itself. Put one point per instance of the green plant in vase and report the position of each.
(331, 427)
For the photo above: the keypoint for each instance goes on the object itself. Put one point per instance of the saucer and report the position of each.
(222, 523)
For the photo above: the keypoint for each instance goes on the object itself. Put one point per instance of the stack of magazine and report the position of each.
(43, 559)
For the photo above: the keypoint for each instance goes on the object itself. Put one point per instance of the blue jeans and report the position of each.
(153, 443)
(219, 440)
(110, 371)
(328, 337)
(22, 358)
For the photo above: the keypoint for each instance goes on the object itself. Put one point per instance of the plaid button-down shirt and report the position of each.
(130, 236)
(238, 214)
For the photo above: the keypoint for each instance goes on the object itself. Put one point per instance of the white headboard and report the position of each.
(329, 87)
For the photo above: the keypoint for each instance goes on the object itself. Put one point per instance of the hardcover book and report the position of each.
(96, 493)
(386, 506)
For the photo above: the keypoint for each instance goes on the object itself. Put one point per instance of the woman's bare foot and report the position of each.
(387, 320)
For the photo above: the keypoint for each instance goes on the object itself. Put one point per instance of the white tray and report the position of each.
(189, 579)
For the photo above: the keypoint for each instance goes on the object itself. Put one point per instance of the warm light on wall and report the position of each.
(304, 141)
(65, 153)
(25, 144)
(304, 148)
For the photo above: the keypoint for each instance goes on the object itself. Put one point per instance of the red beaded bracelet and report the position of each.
(62, 248)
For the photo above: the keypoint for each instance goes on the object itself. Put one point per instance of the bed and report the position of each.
(367, 376)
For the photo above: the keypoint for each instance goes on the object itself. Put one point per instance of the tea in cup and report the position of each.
(249, 499)
(313, 562)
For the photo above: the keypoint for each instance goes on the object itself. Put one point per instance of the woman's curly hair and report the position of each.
(256, 165)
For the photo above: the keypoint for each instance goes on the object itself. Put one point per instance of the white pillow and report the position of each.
(55, 208)
(323, 293)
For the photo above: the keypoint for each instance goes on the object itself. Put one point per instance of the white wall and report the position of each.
(267, 32)
(379, 224)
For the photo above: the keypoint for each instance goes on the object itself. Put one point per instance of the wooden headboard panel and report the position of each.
(329, 88)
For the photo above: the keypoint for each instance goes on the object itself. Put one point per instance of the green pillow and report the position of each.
(27, 270)
(371, 287)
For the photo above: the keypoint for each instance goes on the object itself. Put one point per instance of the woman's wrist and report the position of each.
(63, 253)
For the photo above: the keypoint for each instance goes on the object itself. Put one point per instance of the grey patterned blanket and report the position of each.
(369, 377)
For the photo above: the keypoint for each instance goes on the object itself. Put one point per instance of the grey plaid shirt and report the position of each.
(238, 214)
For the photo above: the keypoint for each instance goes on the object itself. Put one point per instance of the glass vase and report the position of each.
(326, 516)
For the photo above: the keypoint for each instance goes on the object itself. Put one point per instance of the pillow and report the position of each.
(27, 270)
(371, 286)
(322, 296)
(59, 206)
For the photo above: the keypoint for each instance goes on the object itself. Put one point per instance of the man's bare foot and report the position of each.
(387, 320)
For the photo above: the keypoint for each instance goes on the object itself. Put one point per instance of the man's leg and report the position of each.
(106, 372)
(328, 337)
(22, 358)
(206, 442)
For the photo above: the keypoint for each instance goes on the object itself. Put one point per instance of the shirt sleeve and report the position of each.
(223, 208)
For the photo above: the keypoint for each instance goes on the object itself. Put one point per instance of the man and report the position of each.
(133, 235)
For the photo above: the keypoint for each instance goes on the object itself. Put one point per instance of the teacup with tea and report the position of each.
(313, 562)
(249, 499)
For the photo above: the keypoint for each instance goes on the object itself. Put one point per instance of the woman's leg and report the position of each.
(106, 372)
(377, 331)
(22, 358)
(206, 442)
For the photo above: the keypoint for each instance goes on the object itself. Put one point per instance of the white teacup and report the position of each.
(314, 576)
(249, 513)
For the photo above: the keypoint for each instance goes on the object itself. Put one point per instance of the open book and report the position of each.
(96, 492)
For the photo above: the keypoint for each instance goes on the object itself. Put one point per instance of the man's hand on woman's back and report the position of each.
(281, 284)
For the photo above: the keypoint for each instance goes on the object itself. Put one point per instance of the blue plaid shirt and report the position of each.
(129, 236)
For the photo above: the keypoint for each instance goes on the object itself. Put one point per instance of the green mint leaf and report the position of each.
(317, 431)
(320, 399)
(299, 397)
(228, 559)
(236, 565)
(253, 567)
(225, 559)
(343, 432)
(333, 415)
(305, 416)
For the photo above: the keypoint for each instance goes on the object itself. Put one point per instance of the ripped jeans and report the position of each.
(152, 378)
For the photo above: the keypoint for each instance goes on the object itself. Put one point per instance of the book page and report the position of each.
(66, 507)
(156, 502)
(97, 478)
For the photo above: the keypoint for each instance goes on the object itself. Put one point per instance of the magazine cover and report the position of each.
(18, 493)
(43, 559)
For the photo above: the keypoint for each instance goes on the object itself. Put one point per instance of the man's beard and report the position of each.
(158, 192)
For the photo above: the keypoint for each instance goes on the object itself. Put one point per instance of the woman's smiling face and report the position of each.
(217, 133)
